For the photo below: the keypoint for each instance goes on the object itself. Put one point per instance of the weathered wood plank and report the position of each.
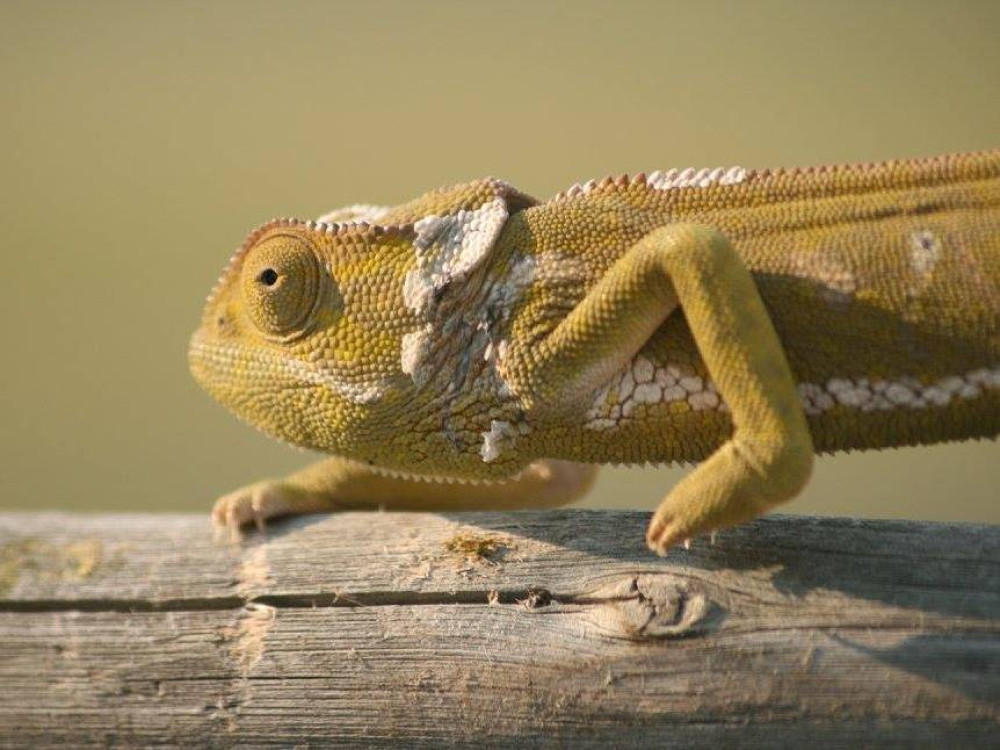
(377, 628)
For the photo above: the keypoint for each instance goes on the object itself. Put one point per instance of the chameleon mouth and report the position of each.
(197, 359)
(219, 368)
(243, 382)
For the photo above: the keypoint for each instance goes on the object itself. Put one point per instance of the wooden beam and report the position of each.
(498, 629)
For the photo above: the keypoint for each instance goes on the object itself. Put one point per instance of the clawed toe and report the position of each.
(662, 534)
(255, 503)
(666, 531)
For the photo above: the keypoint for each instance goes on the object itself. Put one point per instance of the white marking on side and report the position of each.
(623, 395)
(704, 400)
(925, 250)
(643, 382)
(905, 393)
(647, 393)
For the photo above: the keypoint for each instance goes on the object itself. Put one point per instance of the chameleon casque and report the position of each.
(475, 348)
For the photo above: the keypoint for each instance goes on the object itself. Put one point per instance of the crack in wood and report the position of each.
(529, 597)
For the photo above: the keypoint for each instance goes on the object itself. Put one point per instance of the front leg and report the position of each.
(340, 484)
(769, 457)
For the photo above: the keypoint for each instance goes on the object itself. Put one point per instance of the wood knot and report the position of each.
(651, 606)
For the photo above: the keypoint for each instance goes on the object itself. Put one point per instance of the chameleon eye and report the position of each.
(268, 277)
(282, 284)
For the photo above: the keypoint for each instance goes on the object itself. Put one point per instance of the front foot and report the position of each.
(674, 523)
(735, 485)
(677, 522)
(256, 503)
(336, 484)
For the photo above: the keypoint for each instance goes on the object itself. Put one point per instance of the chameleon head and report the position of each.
(299, 336)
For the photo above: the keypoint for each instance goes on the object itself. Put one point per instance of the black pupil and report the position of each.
(268, 277)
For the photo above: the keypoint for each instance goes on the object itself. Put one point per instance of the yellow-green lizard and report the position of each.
(475, 348)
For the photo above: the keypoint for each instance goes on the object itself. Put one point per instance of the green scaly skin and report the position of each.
(746, 319)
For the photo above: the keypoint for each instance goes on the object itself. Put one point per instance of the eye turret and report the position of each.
(282, 283)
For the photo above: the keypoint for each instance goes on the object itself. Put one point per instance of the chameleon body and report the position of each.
(743, 319)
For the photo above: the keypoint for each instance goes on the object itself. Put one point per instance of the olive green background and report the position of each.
(139, 142)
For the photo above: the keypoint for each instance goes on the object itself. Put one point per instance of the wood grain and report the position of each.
(513, 629)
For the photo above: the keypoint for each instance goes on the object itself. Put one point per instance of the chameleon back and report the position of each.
(882, 281)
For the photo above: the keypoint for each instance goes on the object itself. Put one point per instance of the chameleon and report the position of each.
(478, 348)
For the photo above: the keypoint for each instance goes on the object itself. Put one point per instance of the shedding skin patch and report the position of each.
(478, 331)
(449, 248)
(633, 387)
(500, 437)
(414, 350)
(493, 309)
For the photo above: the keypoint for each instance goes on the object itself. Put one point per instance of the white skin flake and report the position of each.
(501, 435)
(414, 351)
(490, 450)
(448, 248)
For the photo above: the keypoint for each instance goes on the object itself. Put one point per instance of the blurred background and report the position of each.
(139, 142)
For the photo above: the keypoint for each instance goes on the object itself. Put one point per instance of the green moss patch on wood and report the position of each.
(478, 548)
(72, 561)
